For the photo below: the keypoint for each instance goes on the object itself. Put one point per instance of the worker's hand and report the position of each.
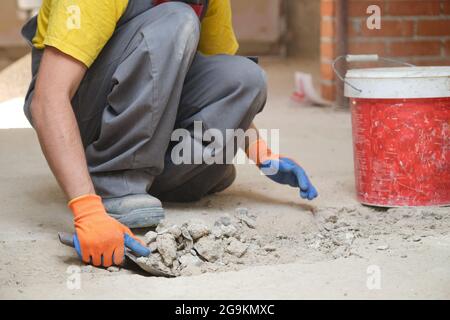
(282, 170)
(287, 171)
(100, 240)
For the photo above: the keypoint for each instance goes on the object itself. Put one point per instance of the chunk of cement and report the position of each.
(153, 246)
(175, 231)
(229, 231)
(167, 247)
(217, 232)
(270, 248)
(223, 220)
(185, 233)
(236, 248)
(209, 249)
(86, 269)
(251, 223)
(150, 237)
(197, 229)
(190, 260)
(113, 269)
(162, 227)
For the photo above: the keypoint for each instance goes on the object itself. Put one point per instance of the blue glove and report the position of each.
(287, 171)
(137, 248)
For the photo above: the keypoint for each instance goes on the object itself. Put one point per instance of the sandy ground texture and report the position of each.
(331, 248)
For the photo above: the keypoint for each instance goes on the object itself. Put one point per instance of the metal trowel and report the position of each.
(67, 239)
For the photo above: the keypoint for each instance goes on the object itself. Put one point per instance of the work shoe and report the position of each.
(135, 211)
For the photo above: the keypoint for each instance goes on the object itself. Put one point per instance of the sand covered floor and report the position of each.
(331, 248)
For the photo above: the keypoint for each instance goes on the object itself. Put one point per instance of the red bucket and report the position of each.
(401, 135)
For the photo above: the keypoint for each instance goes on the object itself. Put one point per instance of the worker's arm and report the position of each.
(279, 168)
(53, 118)
(99, 238)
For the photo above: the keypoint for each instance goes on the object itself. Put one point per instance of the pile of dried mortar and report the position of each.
(195, 248)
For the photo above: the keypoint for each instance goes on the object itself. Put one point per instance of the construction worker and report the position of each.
(112, 79)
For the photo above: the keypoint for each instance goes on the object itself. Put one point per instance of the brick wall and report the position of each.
(416, 31)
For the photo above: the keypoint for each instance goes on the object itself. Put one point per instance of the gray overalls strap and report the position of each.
(147, 81)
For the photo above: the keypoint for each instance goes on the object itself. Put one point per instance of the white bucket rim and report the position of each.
(399, 72)
(398, 83)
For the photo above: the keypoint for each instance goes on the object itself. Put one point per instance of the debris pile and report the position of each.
(342, 232)
(194, 247)
(234, 242)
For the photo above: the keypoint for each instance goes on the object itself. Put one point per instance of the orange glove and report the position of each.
(100, 240)
(259, 152)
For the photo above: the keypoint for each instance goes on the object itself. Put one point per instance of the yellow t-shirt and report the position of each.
(81, 28)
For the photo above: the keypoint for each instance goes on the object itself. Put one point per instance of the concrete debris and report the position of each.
(161, 228)
(243, 215)
(223, 220)
(167, 247)
(150, 237)
(113, 269)
(87, 269)
(153, 246)
(190, 260)
(235, 241)
(236, 248)
(209, 249)
(197, 229)
(175, 231)
(251, 223)
(270, 248)
(228, 231)
(194, 247)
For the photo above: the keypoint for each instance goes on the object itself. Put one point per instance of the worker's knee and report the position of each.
(183, 25)
(243, 75)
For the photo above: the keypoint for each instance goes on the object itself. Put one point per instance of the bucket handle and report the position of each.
(363, 58)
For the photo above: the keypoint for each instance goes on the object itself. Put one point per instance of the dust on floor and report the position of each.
(329, 248)
(234, 243)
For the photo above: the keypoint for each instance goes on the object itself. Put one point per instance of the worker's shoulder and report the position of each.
(219, 5)
(109, 7)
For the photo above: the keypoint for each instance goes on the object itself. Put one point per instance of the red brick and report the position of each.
(400, 28)
(446, 7)
(433, 27)
(415, 48)
(358, 8)
(413, 7)
(328, 92)
(365, 47)
(352, 28)
(327, 28)
(326, 71)
(447, 48)
(327, 50)
(327, 8)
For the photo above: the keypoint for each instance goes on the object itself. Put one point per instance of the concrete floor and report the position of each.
(34, 265)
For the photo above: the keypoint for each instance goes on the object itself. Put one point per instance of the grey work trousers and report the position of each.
(149, 80)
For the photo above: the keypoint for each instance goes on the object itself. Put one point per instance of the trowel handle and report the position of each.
(66, 239)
